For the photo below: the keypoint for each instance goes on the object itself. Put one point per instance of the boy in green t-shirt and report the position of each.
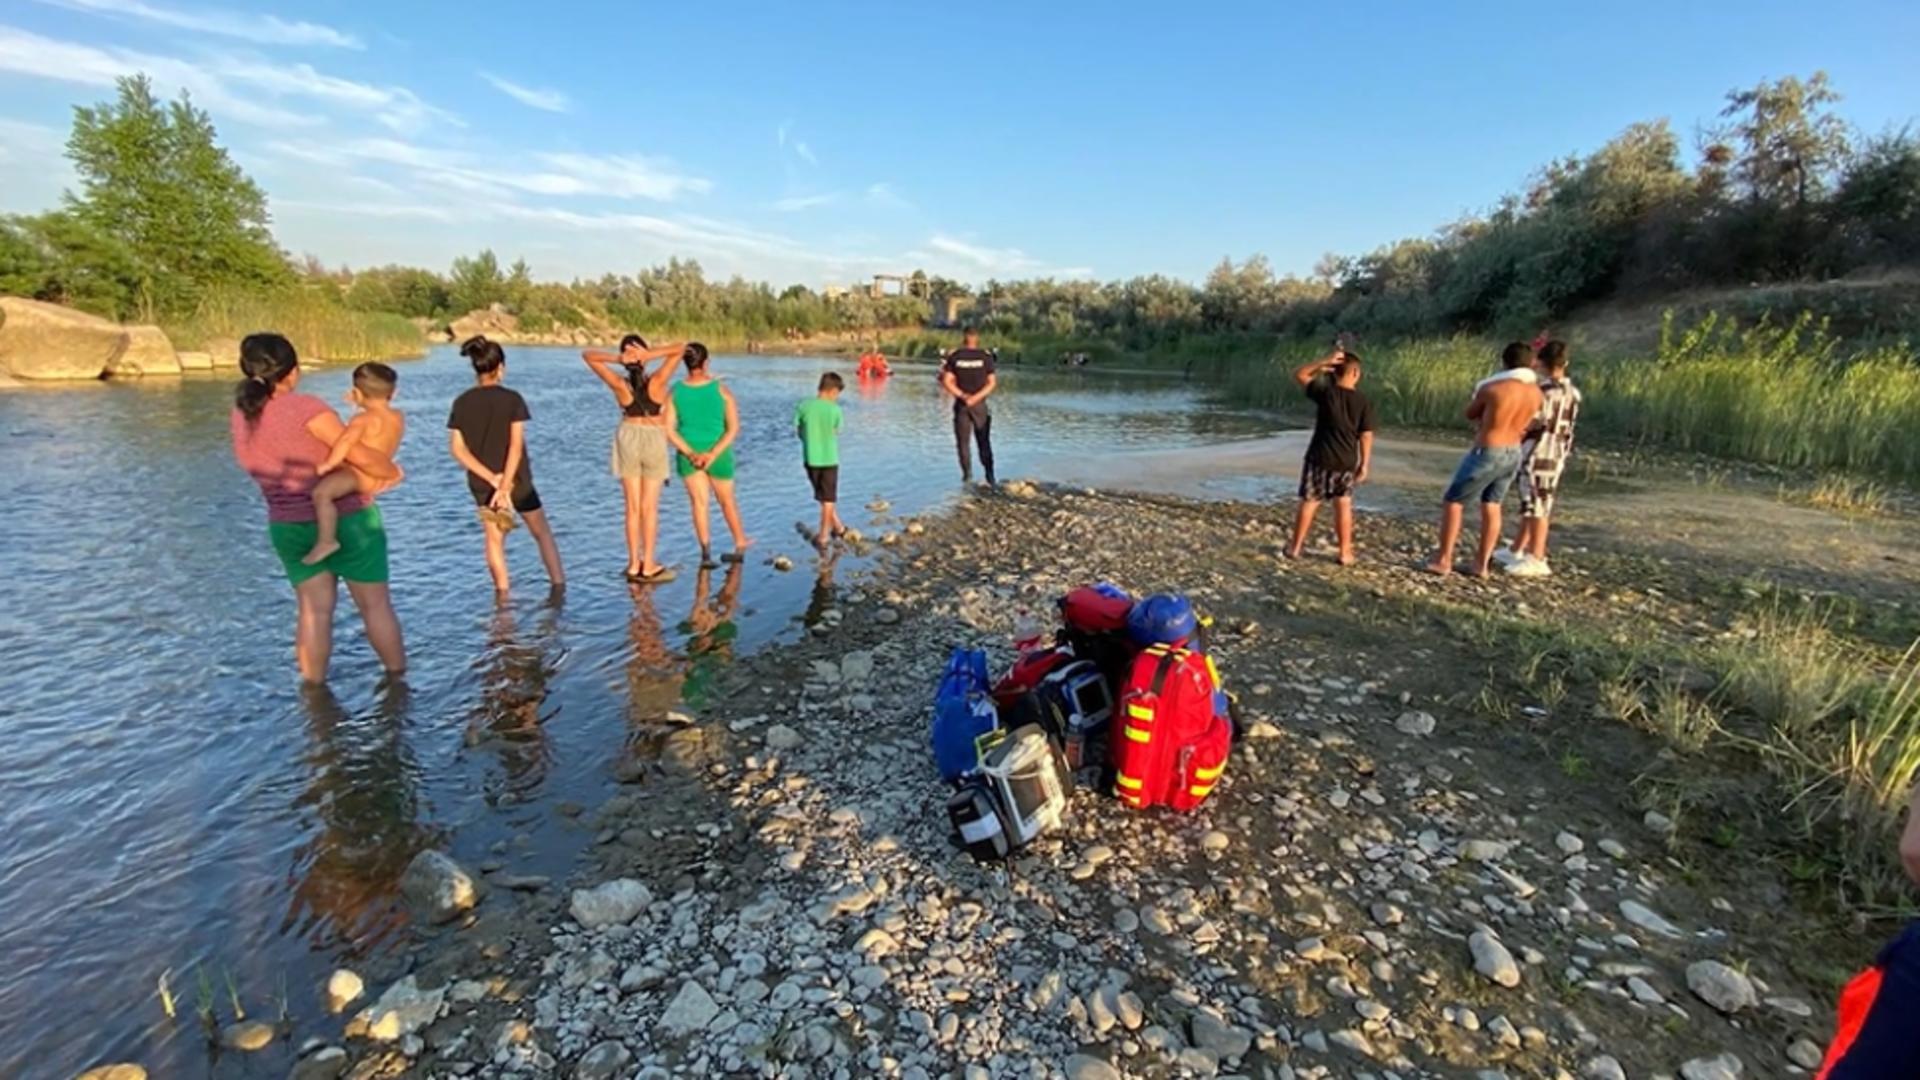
(817, 422)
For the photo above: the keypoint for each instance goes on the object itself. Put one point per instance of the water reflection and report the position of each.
(363, 793)
(710, 633)
(508, 721)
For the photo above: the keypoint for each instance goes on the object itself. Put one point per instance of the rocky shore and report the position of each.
(1394, 879)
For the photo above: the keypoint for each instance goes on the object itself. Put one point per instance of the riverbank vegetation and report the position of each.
(165, 228)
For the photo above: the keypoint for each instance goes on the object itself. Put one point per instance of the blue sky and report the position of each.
(821, 142)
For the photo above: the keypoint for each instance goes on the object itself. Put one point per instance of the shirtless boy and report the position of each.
(1501, 410)
(378, 425)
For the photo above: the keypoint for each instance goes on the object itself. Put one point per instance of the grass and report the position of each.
(1827, 718)
(319, 328)
(1852, 496)
(1783, 394)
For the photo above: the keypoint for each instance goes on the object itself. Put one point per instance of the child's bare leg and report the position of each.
(1450, 515)
(1539, 537)
(1302, 525)
(335, 485)
(825, 532)
(1343, 528)
(1489, 537)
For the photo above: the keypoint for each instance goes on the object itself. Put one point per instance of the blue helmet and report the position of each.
(1162, 619)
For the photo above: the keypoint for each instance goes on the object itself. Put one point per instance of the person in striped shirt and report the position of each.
(1549, 444)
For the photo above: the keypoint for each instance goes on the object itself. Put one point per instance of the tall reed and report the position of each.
(1781, 394)
(319, 327)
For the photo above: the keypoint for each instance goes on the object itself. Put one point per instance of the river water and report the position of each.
(174, 800)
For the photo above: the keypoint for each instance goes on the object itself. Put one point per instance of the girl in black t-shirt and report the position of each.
(488, 424)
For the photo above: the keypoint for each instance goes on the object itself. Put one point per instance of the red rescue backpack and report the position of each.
(1028, 672)
(1171, 746)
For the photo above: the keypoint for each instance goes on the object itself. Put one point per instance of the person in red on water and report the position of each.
(967, 375)
(1875, 1039)
(873, 364)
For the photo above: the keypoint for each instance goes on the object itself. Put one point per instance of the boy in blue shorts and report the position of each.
(817, 422)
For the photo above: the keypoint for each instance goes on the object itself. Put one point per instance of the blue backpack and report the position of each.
(965, 723)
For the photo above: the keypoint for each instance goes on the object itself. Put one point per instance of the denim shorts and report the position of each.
(1486, 472)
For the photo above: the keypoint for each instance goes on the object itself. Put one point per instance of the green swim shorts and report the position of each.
(363, 548)
(720, 468)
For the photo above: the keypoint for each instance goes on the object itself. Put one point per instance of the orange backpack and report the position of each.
(1172, 746)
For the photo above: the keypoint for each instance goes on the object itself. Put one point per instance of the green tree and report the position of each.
(476, 283)
(1790, 141)
(154, 179)
(60, 258)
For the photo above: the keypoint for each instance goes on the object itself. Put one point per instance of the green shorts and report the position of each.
(720, 468)
(363, 548)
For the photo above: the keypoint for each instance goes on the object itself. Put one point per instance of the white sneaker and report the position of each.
(1528, 566)
(1506, 556)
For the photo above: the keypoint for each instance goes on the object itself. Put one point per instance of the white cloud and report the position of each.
(784, 138)
(580, 175)
(882, 194)
(395, 107)
(532, 98)
(794, 203)
(1000, 262)
(246, 26)
(25, 53)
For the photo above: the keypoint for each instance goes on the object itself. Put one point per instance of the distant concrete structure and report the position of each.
(947, 311)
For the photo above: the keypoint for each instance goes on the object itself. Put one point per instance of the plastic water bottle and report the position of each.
(1027, 632)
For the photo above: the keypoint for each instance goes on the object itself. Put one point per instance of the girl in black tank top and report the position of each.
(642, 404)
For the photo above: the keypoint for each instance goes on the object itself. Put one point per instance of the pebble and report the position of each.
(1805, 1053)
(1648, 919)
(1492, 960)
(1603, 1067)
(1348, 1039)
(1483, 851)
(1210, 1032)
(247, 1035)
(609, 903)
(1657, 823)
(1415, 723)
(1569, 844)
(1721, 986)
(119, 1071)
(692, 1010)
(1088, 1067)
(1213, 840)
(343, 989)
(1724, 1067)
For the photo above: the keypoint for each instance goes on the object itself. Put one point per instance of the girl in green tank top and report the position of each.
(703, 422)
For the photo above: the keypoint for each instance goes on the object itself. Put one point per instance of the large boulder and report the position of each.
(494, 322)
(438, 888)
(47, 341)
(225, 355)
(148, 352)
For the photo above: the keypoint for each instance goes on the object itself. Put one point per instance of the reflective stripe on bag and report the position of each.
(1200, 792)
(1129, 782)
(1138, 734)
(1140, 712)
(975, 831)
(1210, 774)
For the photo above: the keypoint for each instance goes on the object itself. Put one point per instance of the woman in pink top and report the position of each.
(280, 437)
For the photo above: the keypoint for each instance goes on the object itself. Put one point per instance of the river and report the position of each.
(174, 800)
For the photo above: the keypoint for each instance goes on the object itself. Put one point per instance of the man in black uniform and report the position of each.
(967, 375)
